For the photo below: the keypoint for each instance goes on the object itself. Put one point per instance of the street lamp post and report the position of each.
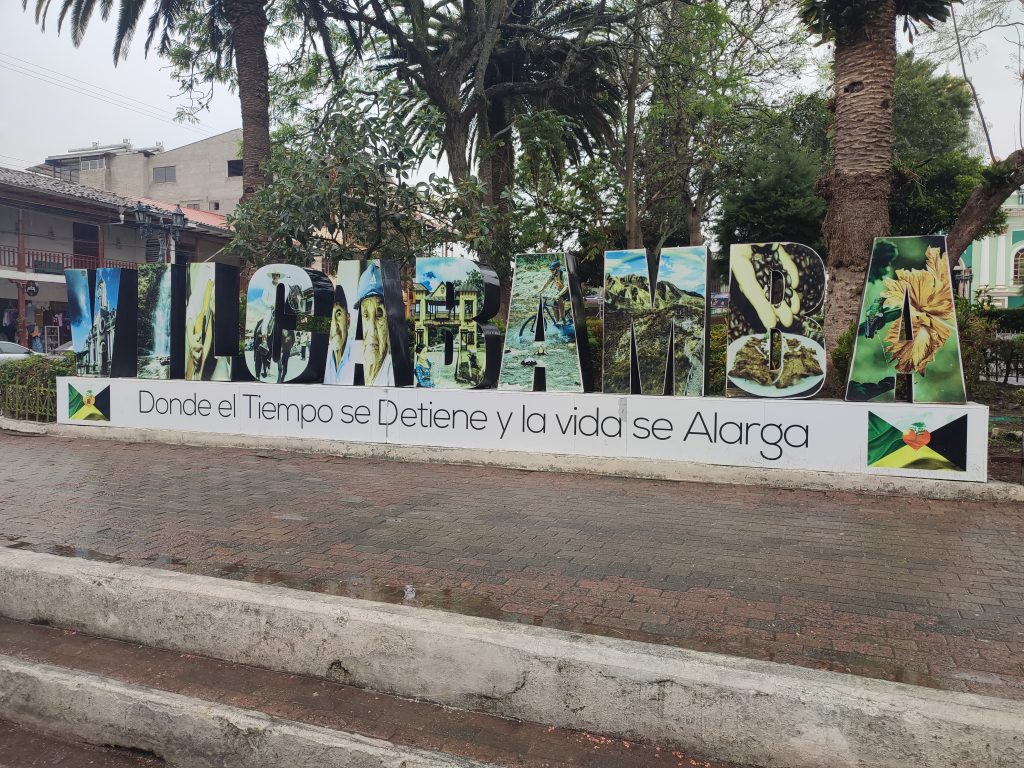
(147, 223)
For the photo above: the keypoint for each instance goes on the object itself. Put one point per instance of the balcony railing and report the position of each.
(55, 262)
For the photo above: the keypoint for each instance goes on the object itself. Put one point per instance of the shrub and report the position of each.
(1007, 320)
(28, 388)
(718, 341)
(595, 340)
(977, 336)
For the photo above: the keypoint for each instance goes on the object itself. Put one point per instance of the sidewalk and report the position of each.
(930, 593)
(26, 749)
(299, 699)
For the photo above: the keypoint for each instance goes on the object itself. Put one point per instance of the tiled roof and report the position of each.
(61, 188)
(71, 191)
(202, 218)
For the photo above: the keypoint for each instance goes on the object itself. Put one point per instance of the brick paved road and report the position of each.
(487, 738)
(927, 592)
(20, 748)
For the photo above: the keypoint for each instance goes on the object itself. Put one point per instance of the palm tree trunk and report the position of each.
(497, 172)
(694, 219)
(634, 231)
(248, 20)
(858, 184)
(455, 143)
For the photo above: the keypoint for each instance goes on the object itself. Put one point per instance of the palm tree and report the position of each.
(522, 77)
(483, 64)
(233, 31)
(857, 185)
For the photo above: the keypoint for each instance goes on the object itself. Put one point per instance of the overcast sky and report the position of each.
(59, 97)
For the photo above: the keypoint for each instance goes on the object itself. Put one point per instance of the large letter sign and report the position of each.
(405, 355)
(161, 324)
(776, 342)
(368, 341)
(211, 322)
(540, 340)
(907, 325)
(654, 339)
(453, 346)
(102, 310)
(281, 298)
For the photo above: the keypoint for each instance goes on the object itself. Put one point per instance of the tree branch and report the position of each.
(1000, 182)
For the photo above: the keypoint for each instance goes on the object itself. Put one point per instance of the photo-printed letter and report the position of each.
(907, 325)
(453, 345)
(654, 339)
(776, 343)
(540, 340)
(103, 313)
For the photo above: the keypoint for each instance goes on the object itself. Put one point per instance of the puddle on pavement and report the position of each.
(357, 586)
(65, 551)
(362, 588)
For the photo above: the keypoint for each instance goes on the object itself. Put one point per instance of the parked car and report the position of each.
(11, 351)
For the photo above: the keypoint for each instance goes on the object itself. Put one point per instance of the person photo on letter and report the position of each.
(338, 370)
(377, 368)
(423, 367)
(561, 287)
(287, 344)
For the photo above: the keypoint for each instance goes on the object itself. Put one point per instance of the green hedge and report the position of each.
(1007, 320)
(28, 388)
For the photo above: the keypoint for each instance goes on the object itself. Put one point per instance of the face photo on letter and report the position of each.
(343, 350)
(776, 342)
(373, 324)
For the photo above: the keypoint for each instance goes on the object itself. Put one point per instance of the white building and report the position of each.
(205, 175)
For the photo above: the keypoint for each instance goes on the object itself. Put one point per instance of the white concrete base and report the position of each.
(652, 469)
(747, 711)
(185, 731)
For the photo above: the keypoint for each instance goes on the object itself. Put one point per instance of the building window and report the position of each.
(1018, 267)
(234, 168)
(214, 206)
(85, 243)
(195, 205)
(164, 174)
(155, 250)
(93, 165)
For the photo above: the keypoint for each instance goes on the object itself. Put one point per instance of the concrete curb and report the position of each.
(651, 469)
(186, 731)
(737, 709)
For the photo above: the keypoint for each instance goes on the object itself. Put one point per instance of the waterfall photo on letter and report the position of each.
(154, 324)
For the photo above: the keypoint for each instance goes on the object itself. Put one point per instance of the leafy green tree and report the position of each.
(343, 186)
(775, 200)
(935, 162)
(558, 205)
(484, 65)
(704, 70)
